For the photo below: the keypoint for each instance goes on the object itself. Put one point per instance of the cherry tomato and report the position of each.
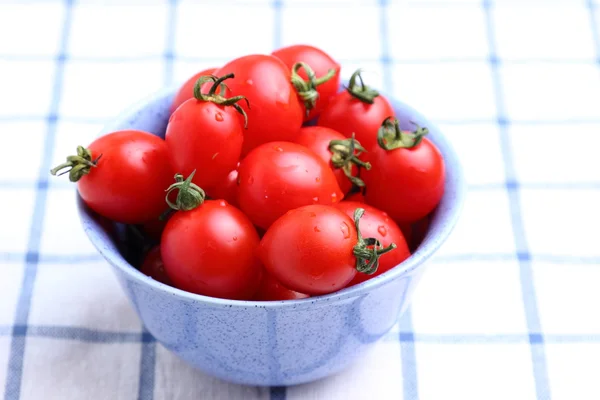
(226, 189)
(357, 197)
(419, 230)
(324, 68)
(186, 91)
(122, 175)
(270, 289)
(210, 250)
(336, 150)
(154, 228)
(205, 135)
(275, 113)
(312, 250)
(358, 110)
(377, 224)
(279, 176)
(154, 267)
(407, 175)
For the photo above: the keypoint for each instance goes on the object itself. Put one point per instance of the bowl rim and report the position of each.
(451, 203)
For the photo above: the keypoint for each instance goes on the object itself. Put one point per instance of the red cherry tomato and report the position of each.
(154, 267)
(419, 230)
(279, 176)
(359, 110)
(406, 181)
(154, 228)
(123, 175)
(205, 136)
(312, 250)
(318, 139)
(270, 290)
(357, 197)
(186, 91)
(377, 224)
(321, 64)
(210, 250)
(226, 189)
(275, 113)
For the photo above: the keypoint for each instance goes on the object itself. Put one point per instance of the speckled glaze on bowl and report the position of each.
(274, 343)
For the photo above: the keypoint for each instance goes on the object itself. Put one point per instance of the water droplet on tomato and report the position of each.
(315, 199)
(266, 197)
(312, 214)
(317, 229)
(249, 82)
(278, 148)
(250, 180)
(219, 117)
(234, 238)
(222, 203)
(345, 230)
(334, 197)
(382, 230)
(317, 179)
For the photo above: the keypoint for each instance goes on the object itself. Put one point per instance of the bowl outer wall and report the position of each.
(275, 343)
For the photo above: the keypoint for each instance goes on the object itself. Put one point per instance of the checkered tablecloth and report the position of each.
(508, 310)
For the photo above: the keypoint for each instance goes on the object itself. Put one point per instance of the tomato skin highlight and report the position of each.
(204, 137)
(406, 183)
(377, 224)
(210, 250)
(186, 91)
(129, 181)
(348, 115)
(279, 176)
(317, 139)
(321, 63)
(272, 290)
(226, 189)
(154, 267)
(275, 113)
(310, 249)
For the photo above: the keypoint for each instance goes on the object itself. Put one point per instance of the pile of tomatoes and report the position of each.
(270, 183)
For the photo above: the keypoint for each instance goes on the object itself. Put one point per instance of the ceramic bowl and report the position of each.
(274, 343)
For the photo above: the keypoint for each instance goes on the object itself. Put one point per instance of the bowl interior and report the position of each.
(119, 246)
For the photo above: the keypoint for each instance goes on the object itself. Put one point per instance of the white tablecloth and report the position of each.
(509, 307)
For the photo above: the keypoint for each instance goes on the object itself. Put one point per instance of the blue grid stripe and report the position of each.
(17, 349)
(595, 29)
(538, 357)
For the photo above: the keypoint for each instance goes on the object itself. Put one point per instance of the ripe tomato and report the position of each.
(359, 110)
(377, 224)
(275, 113)
(357, 197)
(326, 76)
(226, 189)
(270, 290)
(205, 134)
(279, 176)
(210, 250)
(154, 267)
(186, 91)
(122, 175)
(154, 228)
(317, 249)
(407, 175)
(337, 151)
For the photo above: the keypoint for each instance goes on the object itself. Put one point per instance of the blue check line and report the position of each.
(595, 29)
(18, 343)
(538, 357)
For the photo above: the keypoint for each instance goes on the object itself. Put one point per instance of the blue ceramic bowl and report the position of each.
(274, 343)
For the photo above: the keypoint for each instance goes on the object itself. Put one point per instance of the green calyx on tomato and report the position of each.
(391, 137)
(361, 91)
(189, 196)
(219, 98)
(78, 165)
(307, 90)
(344, 154)
(367, 259)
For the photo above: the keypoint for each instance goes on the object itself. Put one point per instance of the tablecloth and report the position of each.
(508, 309)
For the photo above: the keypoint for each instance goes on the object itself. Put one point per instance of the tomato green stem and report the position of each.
(344, 154)
(307, 90)
(367, 251)
(361, 91)
(189, 196)
(77, 166)
(220, 98)
(391, 137)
